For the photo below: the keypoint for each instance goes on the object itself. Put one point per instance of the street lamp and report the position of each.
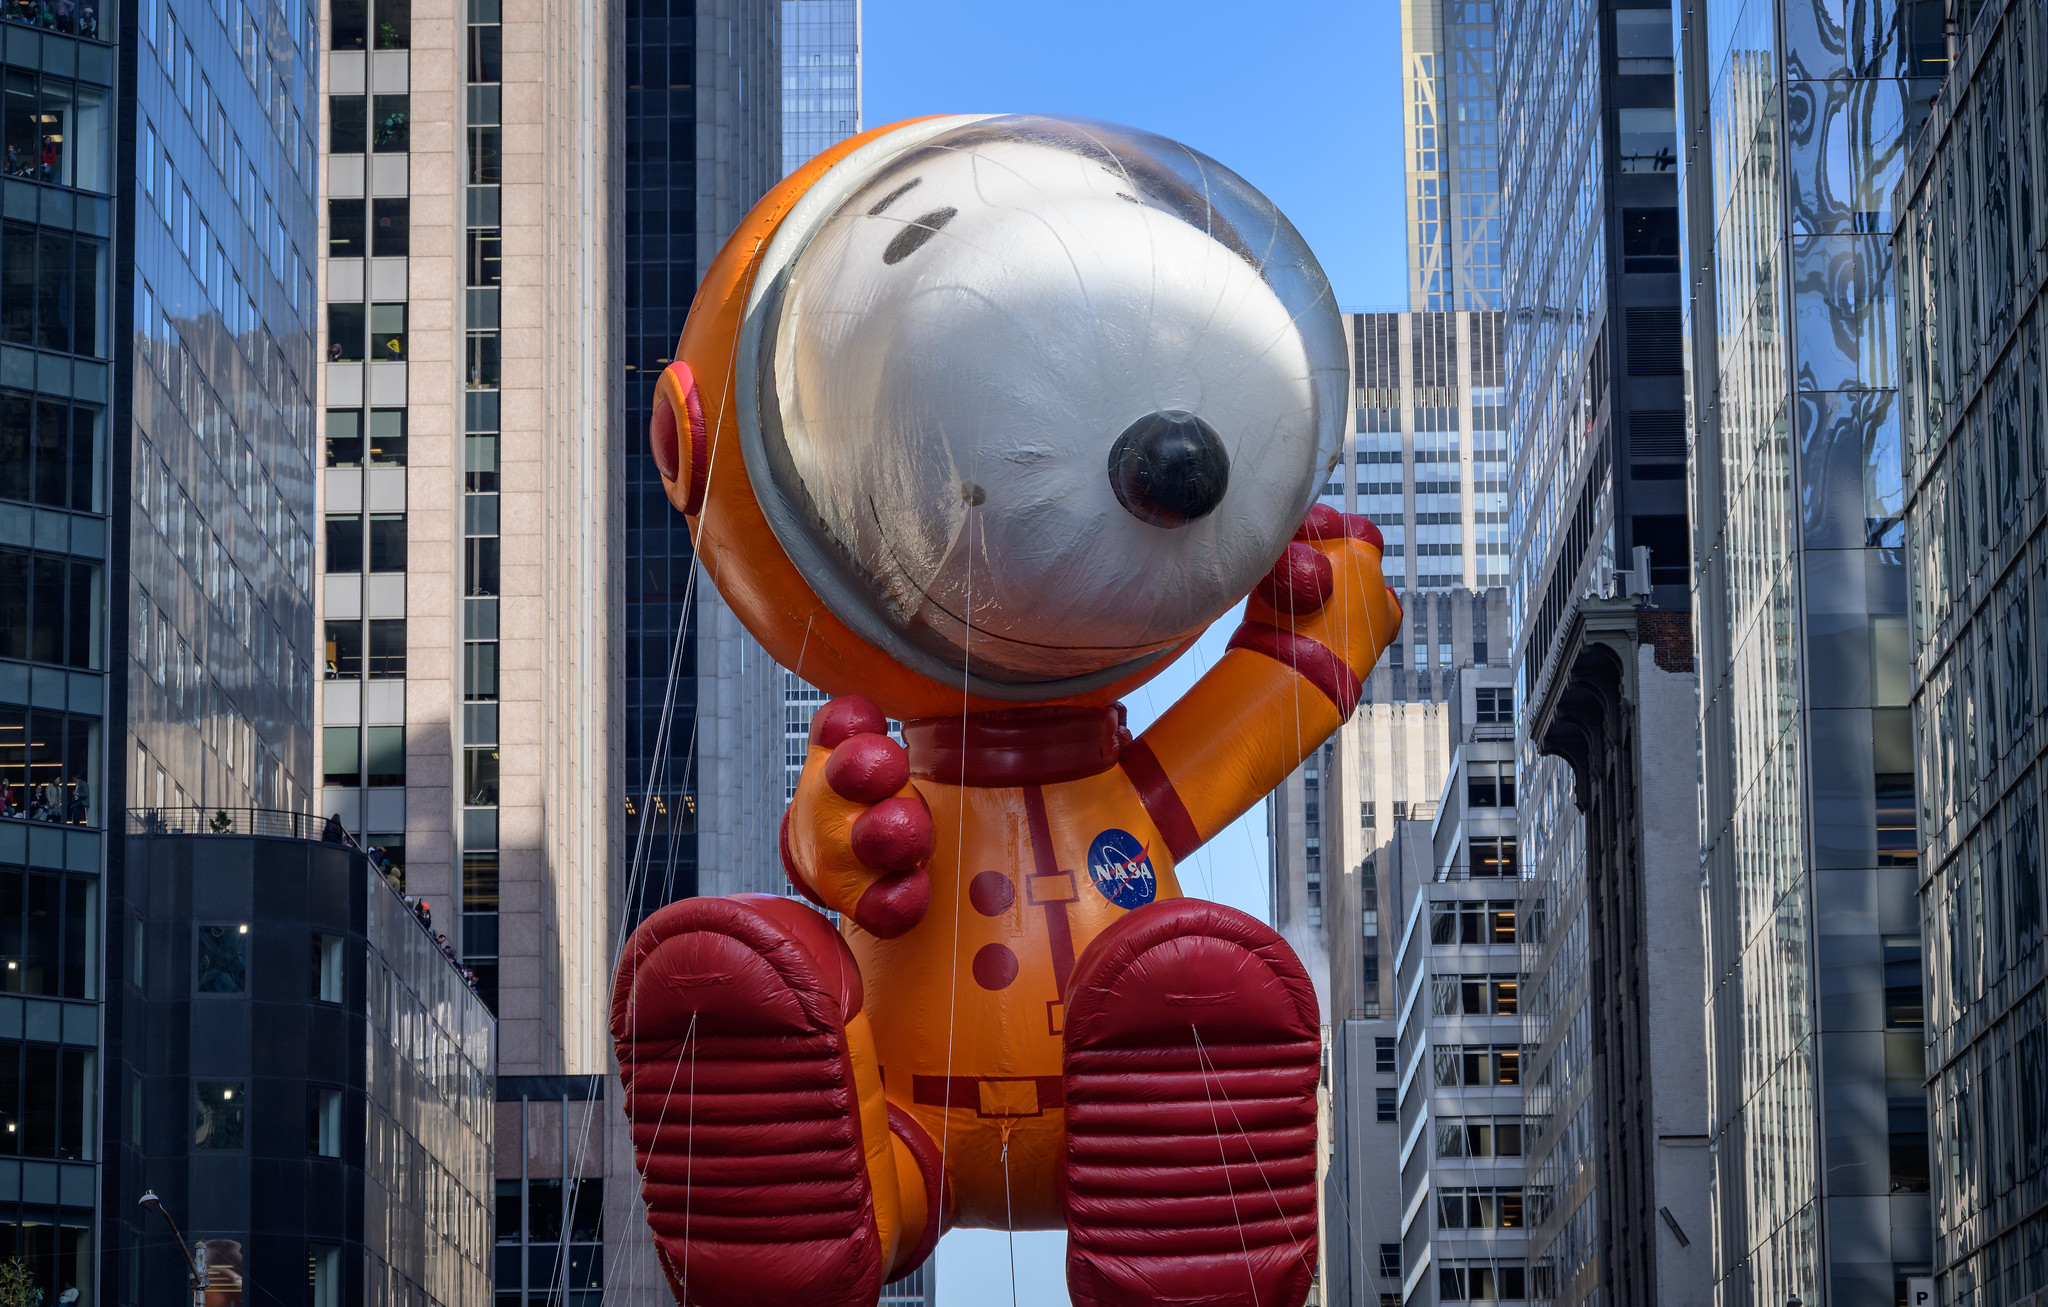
(198, 1281)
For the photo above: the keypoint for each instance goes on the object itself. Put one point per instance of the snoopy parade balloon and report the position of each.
(978, 422)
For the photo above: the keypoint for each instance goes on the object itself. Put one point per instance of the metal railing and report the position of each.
(195, 820)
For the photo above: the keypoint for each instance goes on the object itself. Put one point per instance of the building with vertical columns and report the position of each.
(1969, 246)
(1794, 135)
(468, 492)
(472, 586)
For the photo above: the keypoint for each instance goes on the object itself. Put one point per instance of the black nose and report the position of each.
(1169, 468)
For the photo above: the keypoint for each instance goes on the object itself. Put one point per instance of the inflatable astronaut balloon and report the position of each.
(978, 422)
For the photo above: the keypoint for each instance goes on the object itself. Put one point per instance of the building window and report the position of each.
(1494, 705)
(323, 1122)
(50, 289)
(387, 333)
(1476, 1064)
(1473, 996)
(387, 648)
(327, 968)
(387, 542)
(217, 1114)
(384, 755)
(1385, 1104)
(1470, 922)
(1390, 1261)
(1478, 1137)
(1368, 816)
(341, 755)
(1490, 784)
(344, 542)
(49, 452)
(344, 651)
(1496, 858)
(1383, 1052)
(48, 1101)
(224, 958)
(1479, 1209)
(323, 1275)
(1481, 1283)
(50, 609)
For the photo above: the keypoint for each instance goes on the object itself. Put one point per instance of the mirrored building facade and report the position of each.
(1970, 246)
(1795, 123)
(1452, 154)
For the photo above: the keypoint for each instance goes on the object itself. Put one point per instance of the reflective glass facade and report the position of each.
(1452, 154)
(1795, 118)
(1970, 249)
(156, 527)
(1596, 508)
(296, 1066)
(820, 76)
(661, 271)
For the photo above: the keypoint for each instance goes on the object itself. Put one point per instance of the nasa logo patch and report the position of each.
(1122, 869)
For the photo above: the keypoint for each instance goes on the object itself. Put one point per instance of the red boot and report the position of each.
(749, 1127)
(1193, 1046)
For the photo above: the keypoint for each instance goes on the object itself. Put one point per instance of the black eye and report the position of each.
(894, 196)
(1169, 468)
(911, 238)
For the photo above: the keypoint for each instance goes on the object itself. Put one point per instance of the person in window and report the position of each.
(78, 800)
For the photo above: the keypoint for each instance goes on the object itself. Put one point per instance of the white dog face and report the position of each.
(1048, 397)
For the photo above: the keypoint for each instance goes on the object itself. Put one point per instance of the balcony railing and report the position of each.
(274, 822)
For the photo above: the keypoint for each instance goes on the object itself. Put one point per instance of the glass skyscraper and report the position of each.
(1969, 248)
(157, 365)
(1452, 154)
(1796, 118)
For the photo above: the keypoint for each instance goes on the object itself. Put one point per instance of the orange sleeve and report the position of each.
(1286, 684)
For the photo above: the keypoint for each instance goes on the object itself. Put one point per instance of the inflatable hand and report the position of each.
(857, 835)
(1325, 608)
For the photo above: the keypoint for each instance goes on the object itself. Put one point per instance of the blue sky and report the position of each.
(1300, 99)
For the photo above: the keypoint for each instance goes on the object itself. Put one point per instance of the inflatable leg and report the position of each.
(773, 1169)
(1193, 1046)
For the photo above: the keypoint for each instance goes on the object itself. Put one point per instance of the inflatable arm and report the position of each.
(1295, 669)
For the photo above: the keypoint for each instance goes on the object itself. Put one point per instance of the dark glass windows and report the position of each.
(223, 955)
(387, 436)
(390, 228)
(49, 452)
(347, 232)
(387, 333)
(49, 934)
(344, 438)
(390, 124)
(350, 24)
(49, 609)
(217, 1119)
(387, 542)
(346, 327)
(345, 542)
(48, 1101)
(387, 649)
(344, 651)
(50, 289)
(348, 124)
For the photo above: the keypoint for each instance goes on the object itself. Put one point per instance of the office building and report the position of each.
(317, 1086)
(468, 717)
(1614, 1155)
(157, 356)
(1458, 1056)
(1793, 137)
(1452, 152)
(1969, 247)
(820, 77)
(1427, 462)
(701, 782)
